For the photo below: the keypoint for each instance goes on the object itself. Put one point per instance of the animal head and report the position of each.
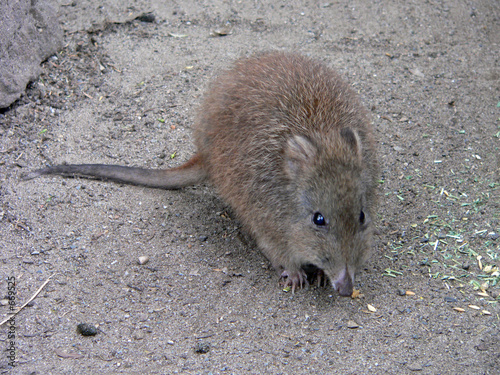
(331, 227)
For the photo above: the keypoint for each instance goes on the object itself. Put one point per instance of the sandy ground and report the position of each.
(126, 91)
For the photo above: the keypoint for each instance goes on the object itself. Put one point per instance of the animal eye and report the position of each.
(362, 217)
(319, 220)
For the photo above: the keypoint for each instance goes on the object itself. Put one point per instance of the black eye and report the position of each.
(362, 217)
(319, 220)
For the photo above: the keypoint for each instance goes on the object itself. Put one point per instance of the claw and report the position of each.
(321, 278)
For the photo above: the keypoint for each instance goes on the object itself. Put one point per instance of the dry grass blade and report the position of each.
(31, 299)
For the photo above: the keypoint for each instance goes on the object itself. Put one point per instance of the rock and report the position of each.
(146, 17)
(139, 335)
(29, 34)
(493, 235)
(352, 324)
(86, 329)
(202, 347)
(415, 367)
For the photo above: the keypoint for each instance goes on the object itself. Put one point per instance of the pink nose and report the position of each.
(343, 284)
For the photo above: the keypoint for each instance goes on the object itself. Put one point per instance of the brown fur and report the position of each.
(283, 138)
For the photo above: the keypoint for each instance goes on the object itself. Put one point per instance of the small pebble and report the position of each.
(86, 329)
(450, 299)
(352, 324)
(493, 235)
(139, 335)
(146, 17)
(401, 292)
(415, 367)
(481, 347)
(143, 259)
(424, 262)
(202, 347)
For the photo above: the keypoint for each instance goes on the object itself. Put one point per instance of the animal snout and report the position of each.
(343, 284)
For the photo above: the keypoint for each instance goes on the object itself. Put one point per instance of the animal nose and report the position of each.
(343, 284)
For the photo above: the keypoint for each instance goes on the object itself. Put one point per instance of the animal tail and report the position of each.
(190, 173)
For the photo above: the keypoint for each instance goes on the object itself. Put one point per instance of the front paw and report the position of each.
(293, 279)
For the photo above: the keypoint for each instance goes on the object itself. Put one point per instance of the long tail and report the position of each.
(190, 173)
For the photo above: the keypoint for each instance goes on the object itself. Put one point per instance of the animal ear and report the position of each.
(351, 137)
(299, 154)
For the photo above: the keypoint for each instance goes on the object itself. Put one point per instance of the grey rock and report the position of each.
(415, 367)
(29, 34)
(493, 235)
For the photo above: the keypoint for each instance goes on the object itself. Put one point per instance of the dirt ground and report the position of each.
(124, 90)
